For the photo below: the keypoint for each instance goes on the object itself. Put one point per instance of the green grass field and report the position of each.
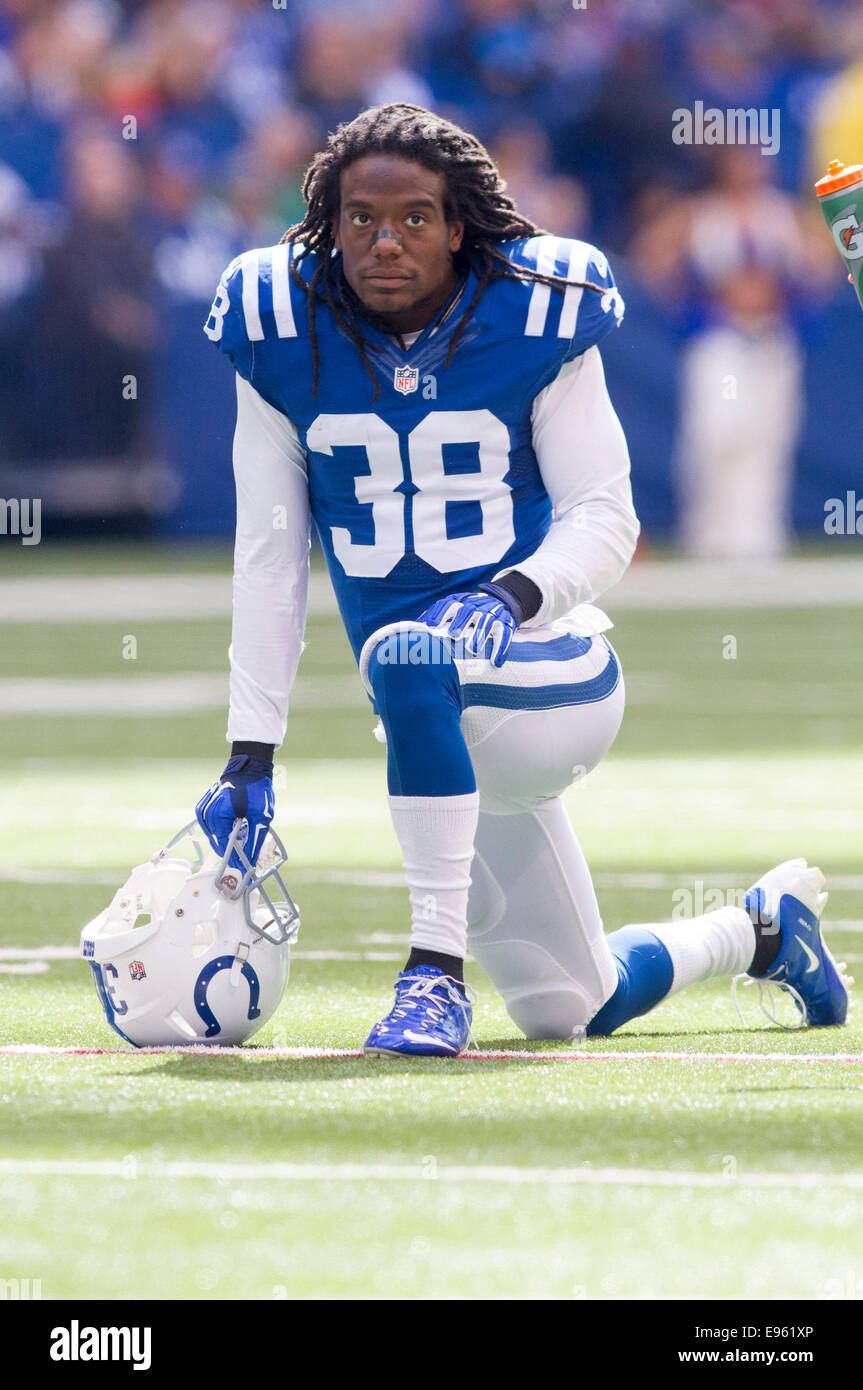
(255, 1176)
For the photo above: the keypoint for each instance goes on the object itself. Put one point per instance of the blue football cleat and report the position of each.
(431, 1017)
(789, 897)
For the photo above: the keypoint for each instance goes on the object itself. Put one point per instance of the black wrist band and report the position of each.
(520, 594)
(253, 750)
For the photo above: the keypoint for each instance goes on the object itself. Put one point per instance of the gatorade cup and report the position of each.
(840, 194)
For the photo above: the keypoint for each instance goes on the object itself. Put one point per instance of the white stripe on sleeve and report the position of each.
(254, 328)
(576, 270)
(282, 307)
(538, 308)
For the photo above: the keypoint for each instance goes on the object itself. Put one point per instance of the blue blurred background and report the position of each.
(144, 143)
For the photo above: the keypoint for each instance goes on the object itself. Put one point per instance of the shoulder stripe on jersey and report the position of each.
(576, 270)
(539, 300)
(282, 308)
(254, 328)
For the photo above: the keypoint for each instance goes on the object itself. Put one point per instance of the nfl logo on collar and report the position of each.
(406, 379)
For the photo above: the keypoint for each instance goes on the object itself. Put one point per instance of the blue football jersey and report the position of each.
(431, 486)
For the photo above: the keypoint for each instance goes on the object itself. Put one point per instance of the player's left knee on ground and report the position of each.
(541, 998)
(418, 697)
(555, 1014)
(533, 922)
(644, 978)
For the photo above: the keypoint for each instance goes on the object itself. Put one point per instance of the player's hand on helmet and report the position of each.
(243, 792)
(484, 621)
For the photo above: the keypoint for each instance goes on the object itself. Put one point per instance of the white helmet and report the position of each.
(209, 963)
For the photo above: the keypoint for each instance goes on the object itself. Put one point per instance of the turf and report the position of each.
(345, 1178)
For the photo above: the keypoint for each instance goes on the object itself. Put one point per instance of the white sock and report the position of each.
(719, 943)
(436, 834)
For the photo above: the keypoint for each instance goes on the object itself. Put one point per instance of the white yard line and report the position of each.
(39, 953)
(176, 595)
(112, 597)
(630, 879)
(49, 953)
(132, 1169)
(34, 960)
(719, 584)
(351, 955)
(177, 692)
(190, 692)
(66, 878)
(393, 878)
(669, 584)
(302, 1054)
(352, 878)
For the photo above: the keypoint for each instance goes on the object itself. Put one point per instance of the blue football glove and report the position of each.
(484, 622)
(243, 792)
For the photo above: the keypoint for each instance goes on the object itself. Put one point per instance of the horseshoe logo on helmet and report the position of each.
(212, 968)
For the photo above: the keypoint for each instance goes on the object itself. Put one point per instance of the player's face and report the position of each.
(396, 243)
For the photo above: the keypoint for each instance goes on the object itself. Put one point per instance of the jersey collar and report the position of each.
(443, 322)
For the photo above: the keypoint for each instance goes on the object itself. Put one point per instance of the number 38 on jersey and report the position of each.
(419, 494)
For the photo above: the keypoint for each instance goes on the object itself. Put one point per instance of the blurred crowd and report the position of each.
(143, 143)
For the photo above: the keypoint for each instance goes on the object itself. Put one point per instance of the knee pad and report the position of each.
(540, 998)
(417, 694)
(554, 1015)
(412, 674)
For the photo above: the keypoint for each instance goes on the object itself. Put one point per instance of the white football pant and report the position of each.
(534, 924)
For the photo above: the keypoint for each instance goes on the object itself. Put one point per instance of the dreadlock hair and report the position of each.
(474, 194)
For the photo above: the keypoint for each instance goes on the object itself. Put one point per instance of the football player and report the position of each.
(418, 371)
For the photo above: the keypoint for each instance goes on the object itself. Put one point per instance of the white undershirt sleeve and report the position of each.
(271, 568)
(584, 463)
